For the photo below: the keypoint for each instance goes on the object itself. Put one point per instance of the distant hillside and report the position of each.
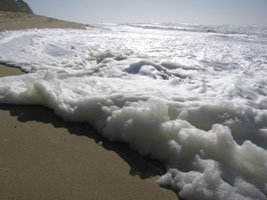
(15, 5)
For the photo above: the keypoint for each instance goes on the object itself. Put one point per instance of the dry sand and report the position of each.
(43, 157)
(16, 21)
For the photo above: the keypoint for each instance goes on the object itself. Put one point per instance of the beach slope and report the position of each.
(43, 157)
(19, 20)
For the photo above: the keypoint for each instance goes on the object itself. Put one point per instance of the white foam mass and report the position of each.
(192, 98)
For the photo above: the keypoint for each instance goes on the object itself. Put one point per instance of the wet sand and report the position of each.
(43, 157)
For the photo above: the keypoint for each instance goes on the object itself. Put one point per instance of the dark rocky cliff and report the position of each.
(15, 6)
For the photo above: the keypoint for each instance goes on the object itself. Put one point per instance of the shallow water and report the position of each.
(193, 97)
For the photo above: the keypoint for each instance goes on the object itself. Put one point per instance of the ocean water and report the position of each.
(192, 96)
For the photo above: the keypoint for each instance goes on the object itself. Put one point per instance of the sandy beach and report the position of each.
(43, 157)
(16, 21)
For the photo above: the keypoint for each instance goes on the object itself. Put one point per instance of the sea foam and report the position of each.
(194, 99)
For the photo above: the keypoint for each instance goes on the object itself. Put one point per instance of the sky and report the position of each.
(214, 12)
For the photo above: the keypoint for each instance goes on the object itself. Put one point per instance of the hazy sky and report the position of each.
(242, 12)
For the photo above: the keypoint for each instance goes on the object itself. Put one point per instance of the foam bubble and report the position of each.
(190, 99)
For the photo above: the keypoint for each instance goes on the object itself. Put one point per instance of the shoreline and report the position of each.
(9, 71)
(43, 157)
(20, 21)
